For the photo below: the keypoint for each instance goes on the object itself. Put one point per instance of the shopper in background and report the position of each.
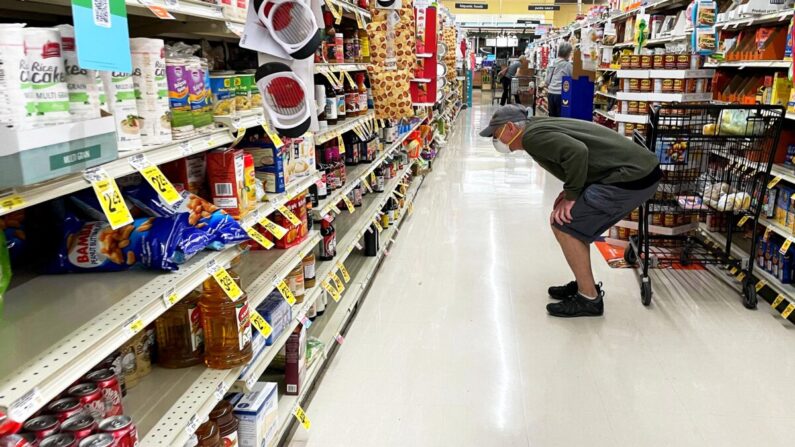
(554, 80)
(605, 177)
(508, 74)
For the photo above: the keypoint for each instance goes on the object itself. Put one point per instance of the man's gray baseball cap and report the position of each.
(511, 113)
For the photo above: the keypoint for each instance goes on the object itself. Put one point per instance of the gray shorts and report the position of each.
(599, 207)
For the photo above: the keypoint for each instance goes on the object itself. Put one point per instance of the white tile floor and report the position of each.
(453, 346)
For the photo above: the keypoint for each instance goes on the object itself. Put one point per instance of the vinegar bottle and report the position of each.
(180, 338)
(227, 329)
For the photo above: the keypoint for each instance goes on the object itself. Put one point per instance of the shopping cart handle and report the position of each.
(639, 138)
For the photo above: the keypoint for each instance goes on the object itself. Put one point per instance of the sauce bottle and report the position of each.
(328, 247)
(351, 100)
(295, 280)
(227, 329)
(208, 435)
(364, 46)
(349, 54)
(320, 101)
(227, 423)
(362, 93)
(180, 338)
(330, 42)
(379, 179)
(340, 93)
(331, 104)
(339, 47)
(308, 264)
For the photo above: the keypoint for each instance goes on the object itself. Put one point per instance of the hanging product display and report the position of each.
(284, 98)
(292, 25)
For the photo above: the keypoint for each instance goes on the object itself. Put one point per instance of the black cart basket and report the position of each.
(715, 158)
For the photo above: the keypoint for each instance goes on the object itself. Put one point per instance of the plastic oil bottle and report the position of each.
(227, 328)
(180, 337)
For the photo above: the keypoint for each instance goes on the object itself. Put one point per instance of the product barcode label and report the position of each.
(220, 390)
(223, 189)
(100, 10)
(25, 406)
(184, 147)
(251, 380)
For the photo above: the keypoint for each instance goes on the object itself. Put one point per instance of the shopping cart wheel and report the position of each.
(645, 291)
(629, 255)
(749, 294)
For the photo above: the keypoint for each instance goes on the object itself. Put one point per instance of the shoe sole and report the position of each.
(575, 315)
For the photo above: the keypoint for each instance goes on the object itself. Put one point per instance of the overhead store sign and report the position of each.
(529, 21)
(543, 8)
(472, 6)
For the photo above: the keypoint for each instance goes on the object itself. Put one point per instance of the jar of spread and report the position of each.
(658, 61)
(667, 85)
(634, 85)
(682, 61)
(645, 62)
(632, 107)
(669, 62)
(308, 264)
(634, 61)
(679, 86)
(295, 280)
(645, 85)
(626, 62)
(628, 129)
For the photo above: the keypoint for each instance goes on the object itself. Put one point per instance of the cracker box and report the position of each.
(257, 413)
(225, 178)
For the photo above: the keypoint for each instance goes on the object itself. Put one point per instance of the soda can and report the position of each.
(14, 441)
(42, 426)
(108, 382)
(81, 425)
(90, 396)
(65, 408)
(59, 440)
(122, 429)
(98, 440)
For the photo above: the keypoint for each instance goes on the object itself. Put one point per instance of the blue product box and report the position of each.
(785, 267)
(277, 312)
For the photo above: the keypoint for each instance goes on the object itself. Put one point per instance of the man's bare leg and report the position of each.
(578, 256)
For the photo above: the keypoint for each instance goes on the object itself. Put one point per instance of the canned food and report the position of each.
(243, 83)
(90, 396)
(98, 440)
(679, 86)
(223, 89)
(626, 62)
(42, 426)
(669, 62)
(682, 61)
(645, 62)
(81, 426)
(657, 219)
(59, 440)
(670, 219)
(645, 85)
(634, 85)
(628, 129)
(658, 61)
(632, 107)
(122, 429)
(16, 440)
(642, 107)
(255, 96)
(65, 408)
(634, 61)
(667, 85)
(108, 382)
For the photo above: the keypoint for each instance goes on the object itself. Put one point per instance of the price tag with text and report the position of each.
(224, 280)
(159, 12)
(193, 424)
(184, 148)
(785, 246)
(788, 310)
(767, 233)
(773, 182)
(134, 324)
(260, 323)
(337, 282)
(335, 295)
(287, 294)
(741, 277)
(274, 137)
(25, 406)
(241, 132)
(779, 299)
(335, 209)
(154, 176)
(760, 285)
(11, 202)
(341, 144)
(289, 215)
(109, 197)
(305, 321)
(345, 275)
(170, 297)
(274, 228)
(220, 390)
(348, 203)
(256, 236)
(302, 417)
(377, 225)
(366, 184)
(743, 220)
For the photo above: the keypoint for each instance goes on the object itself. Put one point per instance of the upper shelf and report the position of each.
(326, 67)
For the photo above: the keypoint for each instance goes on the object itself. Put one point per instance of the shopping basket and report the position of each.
(715, 158)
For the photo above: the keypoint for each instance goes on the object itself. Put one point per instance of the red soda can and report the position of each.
(14, 441)
(91, 397)
(81, 425)
(42, 426)
(98, 440)
(122, 429)
(111, 391)
(65, 408)
(59, 440)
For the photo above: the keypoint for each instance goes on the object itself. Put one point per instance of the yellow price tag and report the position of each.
(335, 209)
(772, 183)
(348, 203)
(398, 193)
(767, 233)
(785, 246)
(377, 225)
(366, 184)
(360, 21)
(760, 285)
(341, 144)
(779, 299)
(111, 201)
(260, 323)
(274, 228)
(259, 238)
(743, 220)
(224, 280)
(287, 294)
(241, 132)
(170, 297)
(411, 207)
(337, 282)
(741, 277)
(733, 270)
(11, 202)
(302, 417)
(335, 295)
(134, 324)
(272, 135)
(349, 78)
(788, 310)
(345, 275)
(338, 16)
(154, 176)
(289, 215)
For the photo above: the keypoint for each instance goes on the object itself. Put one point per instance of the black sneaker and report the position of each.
(567, 291)
(578, 306)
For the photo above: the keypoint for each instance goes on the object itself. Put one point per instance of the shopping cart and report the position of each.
(715, 158)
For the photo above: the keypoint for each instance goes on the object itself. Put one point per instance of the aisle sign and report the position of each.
(274, 228)
(260, 323)
(788, 310)
(472, 5)
(109, 197)
(777, 301)
(345, 275)
(154, 176)
(337, 282)
(335, 295)
(289, 215)
(287, 294)
(11, 202)
(224, 280)
(302, 417)
(102, 37)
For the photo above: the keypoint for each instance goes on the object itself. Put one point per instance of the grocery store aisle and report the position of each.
(453, 346)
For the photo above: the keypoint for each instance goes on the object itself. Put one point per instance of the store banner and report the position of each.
(543, 7)
(102, 36)
(472, 6)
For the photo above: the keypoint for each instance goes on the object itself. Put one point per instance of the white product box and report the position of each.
(257, 413)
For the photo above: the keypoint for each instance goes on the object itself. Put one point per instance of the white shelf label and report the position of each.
(134, 324)
(170, 297)
(220, 390)
(193, 424)
(25, 406)
(185, 148)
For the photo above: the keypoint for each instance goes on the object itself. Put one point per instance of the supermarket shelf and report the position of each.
(665, 74)
(620, 45)
(749, 64)
(664, 97)
(775, 17)
(657, 229)
(606, 95)
(339, 129)
(95, 313)
(790, 116)
(776, 227)
(325, 206)
(350, 8)
(326, 67)
(333, 324)
(165, 402)
(631, 118)
(666, 39)
(604, 114)
(786, 174)
(219, 136)
(656, 6)
(617, 242)
(606, 69)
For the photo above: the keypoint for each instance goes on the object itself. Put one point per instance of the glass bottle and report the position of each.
(362, 89)
(340, 93)
(208, 435)
(364, 46)
(180, 338)
(320, 102)
(351, 100)
(330, 43)
(227, 329)
(328, 247)
(331, 104)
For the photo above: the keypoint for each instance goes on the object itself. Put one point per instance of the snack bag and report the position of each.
(158, 243)
(221, 228)
(12, 226)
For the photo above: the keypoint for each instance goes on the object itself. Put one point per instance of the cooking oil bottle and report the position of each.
(227, 328)
(180, 338)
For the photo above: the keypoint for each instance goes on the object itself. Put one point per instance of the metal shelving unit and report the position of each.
(339, 129)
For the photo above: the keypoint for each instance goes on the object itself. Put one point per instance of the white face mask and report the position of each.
(500, 146)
